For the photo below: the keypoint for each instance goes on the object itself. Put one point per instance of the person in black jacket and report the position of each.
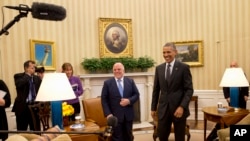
(243, 97)
(172, 92)
(5, 102)
(27, 85)
(243, 91)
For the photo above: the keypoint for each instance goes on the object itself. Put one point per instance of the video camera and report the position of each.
(39, 69)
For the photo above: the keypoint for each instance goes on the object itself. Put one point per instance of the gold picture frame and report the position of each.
(190, 52)
(115, 37)
(43, 53)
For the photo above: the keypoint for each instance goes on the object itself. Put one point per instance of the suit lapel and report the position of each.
(125, 85)
(162, 70)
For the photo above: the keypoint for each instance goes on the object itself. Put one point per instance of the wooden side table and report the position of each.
(227, 118)
(89, 127)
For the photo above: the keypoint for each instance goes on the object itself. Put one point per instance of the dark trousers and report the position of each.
(24, 120)
(213, 134)
(165, 124)
(123, 131)
(77, 109)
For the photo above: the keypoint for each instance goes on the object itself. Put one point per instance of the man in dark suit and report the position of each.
(118, 96)
(27, 85)
(243, 91)
(172, 91)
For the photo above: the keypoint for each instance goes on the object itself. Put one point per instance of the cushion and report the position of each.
(62, 137)
(223, 133)
(30, 136)
(43, 137)
(245, 120)
(51, 136)
(16, 137)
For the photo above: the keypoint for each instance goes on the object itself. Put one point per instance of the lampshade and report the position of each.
(234, 77)
(55, 87)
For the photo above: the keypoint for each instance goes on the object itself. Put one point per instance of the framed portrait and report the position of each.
(43, 53)
(190, 52)
(115, 37)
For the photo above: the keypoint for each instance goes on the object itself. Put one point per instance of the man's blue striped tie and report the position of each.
(120, 87)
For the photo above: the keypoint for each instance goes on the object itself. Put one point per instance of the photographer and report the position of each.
(27, 85)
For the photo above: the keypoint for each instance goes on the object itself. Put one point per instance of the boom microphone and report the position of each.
(42, 11)
(21, 7)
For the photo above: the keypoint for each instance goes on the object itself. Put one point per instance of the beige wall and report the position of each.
(223, 25)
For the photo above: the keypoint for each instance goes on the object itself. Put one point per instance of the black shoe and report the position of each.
(217, 139)
(213, 135)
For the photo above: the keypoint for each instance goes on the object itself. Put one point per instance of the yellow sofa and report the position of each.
(34, 137)
(43, 137)
(224, 134)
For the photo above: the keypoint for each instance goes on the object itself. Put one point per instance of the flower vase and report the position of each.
(65, 120)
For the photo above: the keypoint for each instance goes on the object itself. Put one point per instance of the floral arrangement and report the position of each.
(67, 109)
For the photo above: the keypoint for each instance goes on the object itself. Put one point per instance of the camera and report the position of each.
(39, 69)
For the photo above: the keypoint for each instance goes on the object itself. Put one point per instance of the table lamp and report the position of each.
(55, 87)
(234, 78)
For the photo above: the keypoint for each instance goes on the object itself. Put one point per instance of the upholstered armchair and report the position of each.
(224, 134)
(94, 113)
(43, 137)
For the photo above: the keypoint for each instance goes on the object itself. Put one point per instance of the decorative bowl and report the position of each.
(222, 110)
(77, 127)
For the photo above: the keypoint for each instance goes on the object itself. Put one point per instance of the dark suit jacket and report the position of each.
(22, 89)
(3, 118)
(178, 93)
(111, 98)
(243, 91)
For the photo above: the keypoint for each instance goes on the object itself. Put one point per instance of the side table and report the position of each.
(227, 118)
(89, 127)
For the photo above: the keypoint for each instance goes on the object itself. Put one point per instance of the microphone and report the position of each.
(21, 7)
(42, 11)
(112, 122)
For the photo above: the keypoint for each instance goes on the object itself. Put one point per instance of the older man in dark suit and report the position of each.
(118, 96)
(172, 91)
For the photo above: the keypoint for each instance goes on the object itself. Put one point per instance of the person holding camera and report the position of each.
(27, 85)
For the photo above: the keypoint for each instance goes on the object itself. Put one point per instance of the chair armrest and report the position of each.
(91, 120)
